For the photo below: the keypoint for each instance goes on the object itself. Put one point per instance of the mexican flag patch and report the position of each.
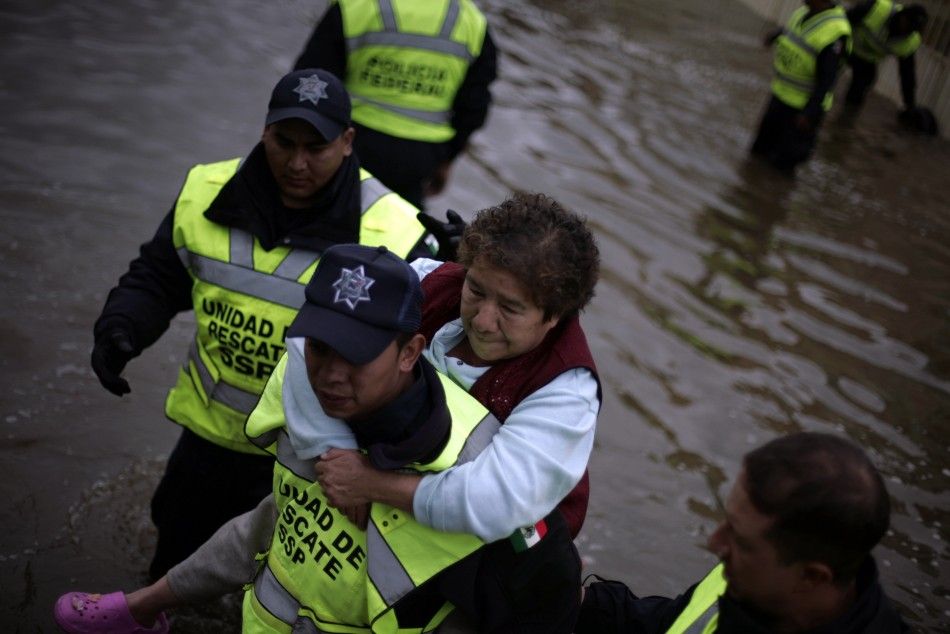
(526, 537)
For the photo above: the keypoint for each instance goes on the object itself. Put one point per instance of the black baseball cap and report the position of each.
(314, 95)
(359, 300)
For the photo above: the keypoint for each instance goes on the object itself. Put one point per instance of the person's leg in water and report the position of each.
(863, 76)
(223, 564)
(203, 487)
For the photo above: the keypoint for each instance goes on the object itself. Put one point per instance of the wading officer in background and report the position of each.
(808, 54)
(418, 72)
(795, 545)
(882, 28)
(238, 247)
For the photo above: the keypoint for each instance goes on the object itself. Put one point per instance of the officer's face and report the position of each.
(500, 319)
(753, 570)
(351, 392)
(301, 160)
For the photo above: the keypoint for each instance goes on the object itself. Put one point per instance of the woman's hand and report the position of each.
(358, 514)
(350, 480)
(344, 475)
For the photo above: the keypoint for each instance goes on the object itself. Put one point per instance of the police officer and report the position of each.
(354, 354)
(795, 550)
(882, 28)
(419, 73)
(237, 248)
(808, 54)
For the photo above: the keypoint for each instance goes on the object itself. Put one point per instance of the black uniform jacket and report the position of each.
(610, 607)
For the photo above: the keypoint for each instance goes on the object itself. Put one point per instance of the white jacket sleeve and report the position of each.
(532, 463)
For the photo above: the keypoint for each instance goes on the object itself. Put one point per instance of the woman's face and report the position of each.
(498, 315)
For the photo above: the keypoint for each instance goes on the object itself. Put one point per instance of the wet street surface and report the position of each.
(735, 304)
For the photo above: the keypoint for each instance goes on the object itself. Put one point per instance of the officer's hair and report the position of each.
(827, 501)
(550, 250)
(403, 338)
(915, 14)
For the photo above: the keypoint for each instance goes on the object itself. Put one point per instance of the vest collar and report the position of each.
(420, 415)
(412, 428)
(250, 201)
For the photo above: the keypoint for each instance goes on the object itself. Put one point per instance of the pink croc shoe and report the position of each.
(82, 613)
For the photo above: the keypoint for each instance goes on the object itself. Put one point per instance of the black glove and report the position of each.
(109, 355)
(449, 234)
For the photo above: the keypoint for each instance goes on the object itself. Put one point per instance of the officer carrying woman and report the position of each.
(503, 326)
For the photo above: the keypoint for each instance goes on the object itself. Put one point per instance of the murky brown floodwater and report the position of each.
(735, 304)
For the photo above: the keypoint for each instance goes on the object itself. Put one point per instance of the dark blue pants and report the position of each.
(204, 486)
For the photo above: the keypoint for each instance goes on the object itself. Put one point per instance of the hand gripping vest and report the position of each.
(701, 614)
(406, 60)
(322, 574)
(870, 38)
(244, 299)
(796, 52)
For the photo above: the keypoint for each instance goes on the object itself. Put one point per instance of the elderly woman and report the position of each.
(503, 324)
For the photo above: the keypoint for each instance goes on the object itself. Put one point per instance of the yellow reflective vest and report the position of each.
(406, 60)
(245, 298)
(796, 53)
(871, 41)
(322, 573)
(701, 614)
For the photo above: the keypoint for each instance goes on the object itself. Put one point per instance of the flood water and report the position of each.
(735, 304)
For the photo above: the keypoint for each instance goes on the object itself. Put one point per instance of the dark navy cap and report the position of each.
(314, 95)
(359, 299)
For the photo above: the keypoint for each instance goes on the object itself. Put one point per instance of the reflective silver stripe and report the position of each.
(410, 40)
(371, 190)
(279, 602)
(185, 256)
(799, 38)
(296, 262)
(697, 626)
(874, 43)
(428, 116)
(265, 440)
(795, 38)
(288, 458)
(230, 395)
(242, 248)
(248, 282)
(795, 82)
(387, 15)
(274, 597)
(819, 22)
(391, 36)
(877, 39)
(384, 569)
(479, 438)
(451, 17)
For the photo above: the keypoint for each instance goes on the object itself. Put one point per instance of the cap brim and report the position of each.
(326, 126)
(354, 340)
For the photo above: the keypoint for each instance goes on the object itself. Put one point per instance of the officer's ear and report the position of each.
(348, 135)
(410, 351)
(816, 574)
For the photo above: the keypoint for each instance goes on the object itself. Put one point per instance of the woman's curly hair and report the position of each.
(549, 249)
